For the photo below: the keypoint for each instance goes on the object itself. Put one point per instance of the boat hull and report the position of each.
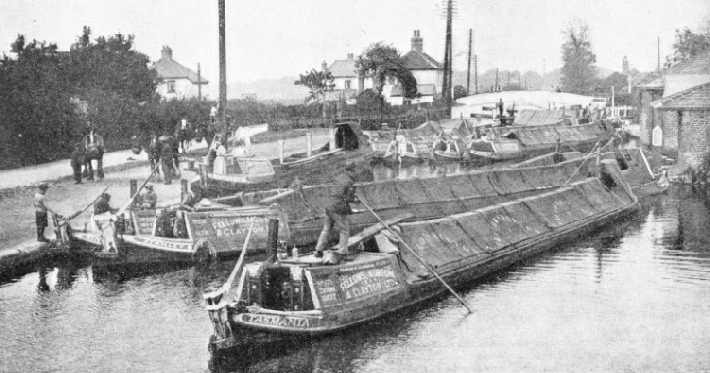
(248, 335)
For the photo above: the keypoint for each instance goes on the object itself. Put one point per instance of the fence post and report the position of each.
(309, 144)
(281, 151)
(331, 138)
(133, 187)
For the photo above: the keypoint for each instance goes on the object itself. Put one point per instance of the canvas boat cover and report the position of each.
(545, 136)
(452, 194)
(453, 242)
(527, 117)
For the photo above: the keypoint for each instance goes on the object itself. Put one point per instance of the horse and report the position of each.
(183, 135)
(205, 130)
(94, 150)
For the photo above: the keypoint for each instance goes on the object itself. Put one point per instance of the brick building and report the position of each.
(687, 118)
(675, 110)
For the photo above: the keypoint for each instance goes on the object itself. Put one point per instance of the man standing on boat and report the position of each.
(336, 214)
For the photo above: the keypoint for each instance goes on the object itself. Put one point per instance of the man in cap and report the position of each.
(102, 205)
(41, 209)
(336, 214)
(150, 199)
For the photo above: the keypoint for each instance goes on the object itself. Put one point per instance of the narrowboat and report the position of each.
(632, 162)
(519, 143)
(169, 234)
(242, 174)
(296, 298)
(425, 198)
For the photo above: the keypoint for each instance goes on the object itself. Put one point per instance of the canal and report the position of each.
(635, 296)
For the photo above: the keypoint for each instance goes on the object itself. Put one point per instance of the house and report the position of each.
(175, 80)
(426, 70)
(675, 112)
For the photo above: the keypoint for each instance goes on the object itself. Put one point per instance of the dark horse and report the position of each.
(205, 130)
(94, 149)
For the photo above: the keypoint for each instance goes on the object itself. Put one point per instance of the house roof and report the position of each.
(416, 60)
(698, 65)
(343, 68)
(168, 68)
(695, 98)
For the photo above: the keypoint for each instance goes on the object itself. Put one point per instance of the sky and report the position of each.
(270, 39)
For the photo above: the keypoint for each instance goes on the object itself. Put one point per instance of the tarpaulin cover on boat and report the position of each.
(472, 236)
(459, 192)
(528, 117)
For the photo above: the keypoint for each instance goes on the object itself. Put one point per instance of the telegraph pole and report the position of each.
(468, 72)
(446, 89)
(475, 72)
(222, 74)
(199, 83)
(658, 70)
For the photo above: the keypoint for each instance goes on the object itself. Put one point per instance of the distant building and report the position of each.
(425, 69)
(675, 112)
(175, 80)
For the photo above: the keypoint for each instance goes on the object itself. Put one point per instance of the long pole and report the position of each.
(414, 253)
(475, 73)
(468, 72)
(446, 89)
(658, 69)
(199, 83)
(222, 74)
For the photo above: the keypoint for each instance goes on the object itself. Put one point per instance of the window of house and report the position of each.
(171, 86)
(347, 84)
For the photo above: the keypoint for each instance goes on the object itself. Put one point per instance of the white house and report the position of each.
(426, 70)
(175, 80)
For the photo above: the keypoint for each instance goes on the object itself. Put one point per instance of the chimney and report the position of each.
(351, 56)
(167, 52)
(324, 66)
(417, 42)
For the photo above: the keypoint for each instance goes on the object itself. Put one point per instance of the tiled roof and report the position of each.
(416, 60)
(168, 68)
(343, 68)
(695, 98)
(698, 65)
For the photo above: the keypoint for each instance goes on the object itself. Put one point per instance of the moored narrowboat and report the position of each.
(170, 234)
(297, 297)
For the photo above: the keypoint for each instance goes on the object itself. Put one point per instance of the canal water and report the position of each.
(635, 296)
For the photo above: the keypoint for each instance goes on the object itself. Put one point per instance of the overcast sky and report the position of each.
(272, 39)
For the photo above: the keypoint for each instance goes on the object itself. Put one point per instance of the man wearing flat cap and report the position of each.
(41, 210)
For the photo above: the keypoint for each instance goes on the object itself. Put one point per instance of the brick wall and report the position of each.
(647, 115)
(694, 144)
(670, 131)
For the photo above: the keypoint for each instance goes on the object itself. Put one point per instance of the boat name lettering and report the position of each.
(228, 222)
(366, 277)
(277, 320)
(234, 231)
(372, 287)
(165, 244)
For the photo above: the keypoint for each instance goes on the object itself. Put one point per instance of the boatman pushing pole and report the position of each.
(336, 214)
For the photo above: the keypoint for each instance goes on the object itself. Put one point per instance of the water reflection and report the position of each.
(632, 296)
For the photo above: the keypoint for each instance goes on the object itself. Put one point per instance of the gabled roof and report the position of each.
(416, 60)
(698, 65)
(168, 68)
(343, 69)
(695, 98)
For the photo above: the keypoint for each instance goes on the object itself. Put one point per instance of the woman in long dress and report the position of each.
(220, 163)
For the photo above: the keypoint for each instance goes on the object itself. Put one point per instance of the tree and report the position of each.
(578, 70)
(317, 82)
(382, 61)
(687, 44)
(459, 91)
